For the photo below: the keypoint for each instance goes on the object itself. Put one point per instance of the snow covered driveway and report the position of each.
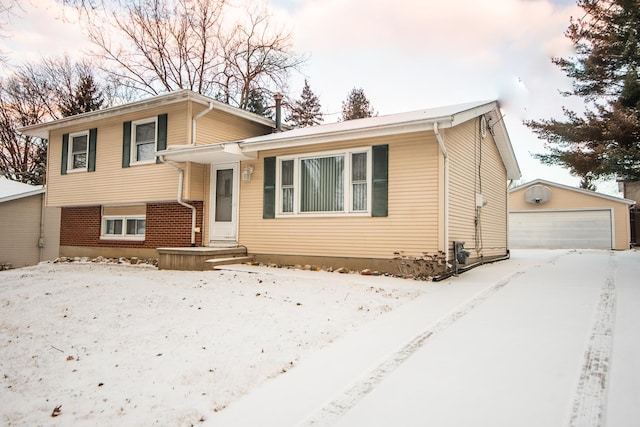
(548, 338)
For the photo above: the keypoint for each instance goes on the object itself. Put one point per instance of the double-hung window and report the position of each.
(78, 151)
(143, 140)
(331, 183)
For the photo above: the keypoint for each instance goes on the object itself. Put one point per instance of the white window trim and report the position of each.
(124, 235)
(134, 145)
(70, 168)
(348, 184)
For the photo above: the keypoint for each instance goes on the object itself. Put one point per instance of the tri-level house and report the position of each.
(181, 177)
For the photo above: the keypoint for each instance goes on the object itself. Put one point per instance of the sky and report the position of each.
(406, 55)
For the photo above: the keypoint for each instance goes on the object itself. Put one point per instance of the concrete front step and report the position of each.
(215, 262)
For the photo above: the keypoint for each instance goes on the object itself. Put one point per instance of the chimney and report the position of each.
(278, 98)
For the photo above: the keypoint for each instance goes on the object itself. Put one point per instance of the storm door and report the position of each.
(224, 203)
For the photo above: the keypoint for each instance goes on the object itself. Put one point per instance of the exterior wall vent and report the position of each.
(537, 194)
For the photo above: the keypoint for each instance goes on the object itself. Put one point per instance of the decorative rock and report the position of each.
(341, 270)
(366, 272)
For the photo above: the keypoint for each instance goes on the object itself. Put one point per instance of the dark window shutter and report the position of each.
(162, 134)
(91, 162)
(269, 193)
(379, 190)
(126, 144)
(65, 154)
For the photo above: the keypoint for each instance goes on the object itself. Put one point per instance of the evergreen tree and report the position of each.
(256, 104)
(604, 141)
(306, 110)
(357, 106)
(86, 97)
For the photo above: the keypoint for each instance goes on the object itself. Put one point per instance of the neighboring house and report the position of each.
(29, 232)
(545, 214)
(631, 190)
(182, 170)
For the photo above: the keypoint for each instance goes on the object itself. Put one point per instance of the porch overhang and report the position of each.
(206, 154)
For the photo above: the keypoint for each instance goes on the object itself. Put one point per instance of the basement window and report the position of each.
(123, 222)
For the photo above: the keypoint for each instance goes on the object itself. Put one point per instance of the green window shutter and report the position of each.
(126, 144)
(65, 154)
(162, 134)
(269, 193)
(379, 190)
(91, 162)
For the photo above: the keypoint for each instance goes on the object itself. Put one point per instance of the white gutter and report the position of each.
(182, 202)
(443, 148)
(193, 122)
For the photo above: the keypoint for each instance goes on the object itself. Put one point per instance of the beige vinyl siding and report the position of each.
(218, 126)
(111, 183)
(195, 181)
(20, 225)
(412, 225)
(565, 199)
(51, 249)
(124, 210)
(475, 167)
(494, 215)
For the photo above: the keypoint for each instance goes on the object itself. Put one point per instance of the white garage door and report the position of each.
(584, 229)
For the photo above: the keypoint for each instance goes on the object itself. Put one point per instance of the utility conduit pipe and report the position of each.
(182, 202)
(443, 148)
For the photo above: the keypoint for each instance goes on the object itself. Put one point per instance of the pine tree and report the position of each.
(256, 104)
(305, 111)
(86, 97)
(357, 106)
(604, 141)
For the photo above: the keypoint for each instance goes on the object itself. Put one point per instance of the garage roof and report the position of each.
(578, 190)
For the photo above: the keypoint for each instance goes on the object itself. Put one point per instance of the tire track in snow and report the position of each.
(591, 394)
(347, 400)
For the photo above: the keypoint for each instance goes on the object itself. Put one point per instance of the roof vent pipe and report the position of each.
(278, 98)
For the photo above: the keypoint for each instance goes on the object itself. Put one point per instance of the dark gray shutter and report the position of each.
(162, 134)
(380, 185)
(65, 154)
(126, 144)
(91, 161)
(269, 192)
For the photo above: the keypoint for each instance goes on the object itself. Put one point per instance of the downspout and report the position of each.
(443, 148)
(182, 202)
(193, 122)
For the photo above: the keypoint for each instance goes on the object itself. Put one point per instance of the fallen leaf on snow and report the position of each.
(56, 411)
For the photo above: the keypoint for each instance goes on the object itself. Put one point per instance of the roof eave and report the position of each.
(42, 130)
(22, 195)
(576, 189)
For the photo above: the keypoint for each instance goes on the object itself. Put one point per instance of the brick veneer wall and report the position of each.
(168, 225)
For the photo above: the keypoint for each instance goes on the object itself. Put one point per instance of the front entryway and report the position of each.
(224, 203)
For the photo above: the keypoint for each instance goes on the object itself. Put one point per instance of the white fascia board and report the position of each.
(42, 130)
(21, 195)
(283, 140)
(206, 154)
(576, 189)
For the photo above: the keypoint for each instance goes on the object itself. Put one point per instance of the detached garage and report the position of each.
(544, 214)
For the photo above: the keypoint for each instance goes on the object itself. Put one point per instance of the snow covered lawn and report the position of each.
(130, 345)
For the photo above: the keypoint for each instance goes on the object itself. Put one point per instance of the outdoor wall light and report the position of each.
(246, 173)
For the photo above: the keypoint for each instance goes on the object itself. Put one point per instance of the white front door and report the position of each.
(224, 203)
